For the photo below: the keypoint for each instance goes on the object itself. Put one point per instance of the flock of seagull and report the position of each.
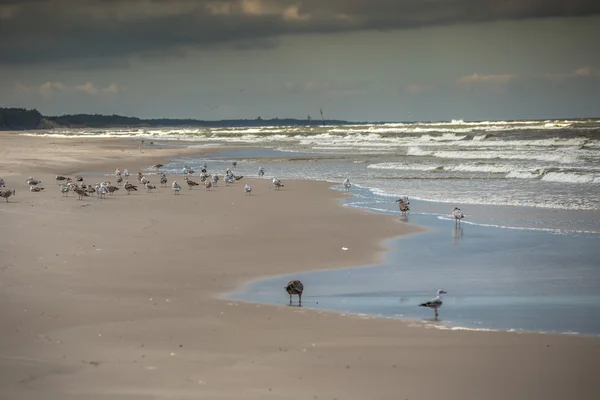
(101, 189)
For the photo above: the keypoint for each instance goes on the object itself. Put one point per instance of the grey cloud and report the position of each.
(37, 31)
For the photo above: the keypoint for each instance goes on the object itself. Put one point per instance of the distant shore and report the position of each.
(20, 119)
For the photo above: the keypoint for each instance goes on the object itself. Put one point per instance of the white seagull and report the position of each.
(277, 183)
(163, 180)
(261, 172)
(435, 303)
(176, 187)
(457, 214)
(248, 189)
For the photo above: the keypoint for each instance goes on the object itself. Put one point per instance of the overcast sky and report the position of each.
(360, 60)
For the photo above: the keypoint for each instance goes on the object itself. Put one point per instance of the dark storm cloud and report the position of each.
(36, 31)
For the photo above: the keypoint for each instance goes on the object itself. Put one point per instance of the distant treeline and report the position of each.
(22, 119)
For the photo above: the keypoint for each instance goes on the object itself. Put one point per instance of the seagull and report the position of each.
(102, 190)
(32, 181)
(163, 180)
(295, 287)
(7, 193)
(207, 185)
(277, 183)
(176, 187)
(64, 189)
(403, 204)
(60, 178)
(80, 192)
(234, 164)
(129, 187)
(435, 303)
(2, 184)
(215, 180)
(261, 172)
(228, 179)
(149, 186)
(119, 179)
(35, 188)
(347, 185)
(157, 166)
(191, 183)
(248, 189)
(457, 215)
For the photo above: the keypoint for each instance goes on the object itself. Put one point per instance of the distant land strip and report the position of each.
(18, 119)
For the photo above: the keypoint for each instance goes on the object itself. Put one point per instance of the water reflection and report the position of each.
(457, 233)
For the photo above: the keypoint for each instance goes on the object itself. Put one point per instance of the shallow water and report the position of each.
(495, 278)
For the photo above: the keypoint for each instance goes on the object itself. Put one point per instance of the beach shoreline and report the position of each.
(120, 298)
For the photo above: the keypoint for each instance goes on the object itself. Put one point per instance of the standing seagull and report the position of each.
(2, 184)
(277, 183)
(403, 204)
(190, 182)
(176, 187)
(149, 186)
(347, 185)
(457, 215)
(261, 172)
(295, 287)
(163, 180)
(435, 303)
(6, 193)
(129, 187)
(248, 189)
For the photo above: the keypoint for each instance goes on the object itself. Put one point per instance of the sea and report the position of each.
(525, 258)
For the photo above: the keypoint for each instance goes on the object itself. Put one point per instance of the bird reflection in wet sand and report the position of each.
(457, 233)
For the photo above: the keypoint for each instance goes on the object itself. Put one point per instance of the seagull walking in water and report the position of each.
(347, 185)
(295, 287)
(457, 215)
(261, 172)
(403, 205)
(435, 303)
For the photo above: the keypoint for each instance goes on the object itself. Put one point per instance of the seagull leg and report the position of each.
(290, 295)
(436, 313)
(300, 300)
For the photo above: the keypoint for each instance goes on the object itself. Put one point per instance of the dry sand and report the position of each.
(117, 298)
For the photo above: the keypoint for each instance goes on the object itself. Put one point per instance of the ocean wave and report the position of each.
(555, 231)
(566, 177)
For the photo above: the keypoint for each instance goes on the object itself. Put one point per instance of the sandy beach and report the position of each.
(118, 298)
